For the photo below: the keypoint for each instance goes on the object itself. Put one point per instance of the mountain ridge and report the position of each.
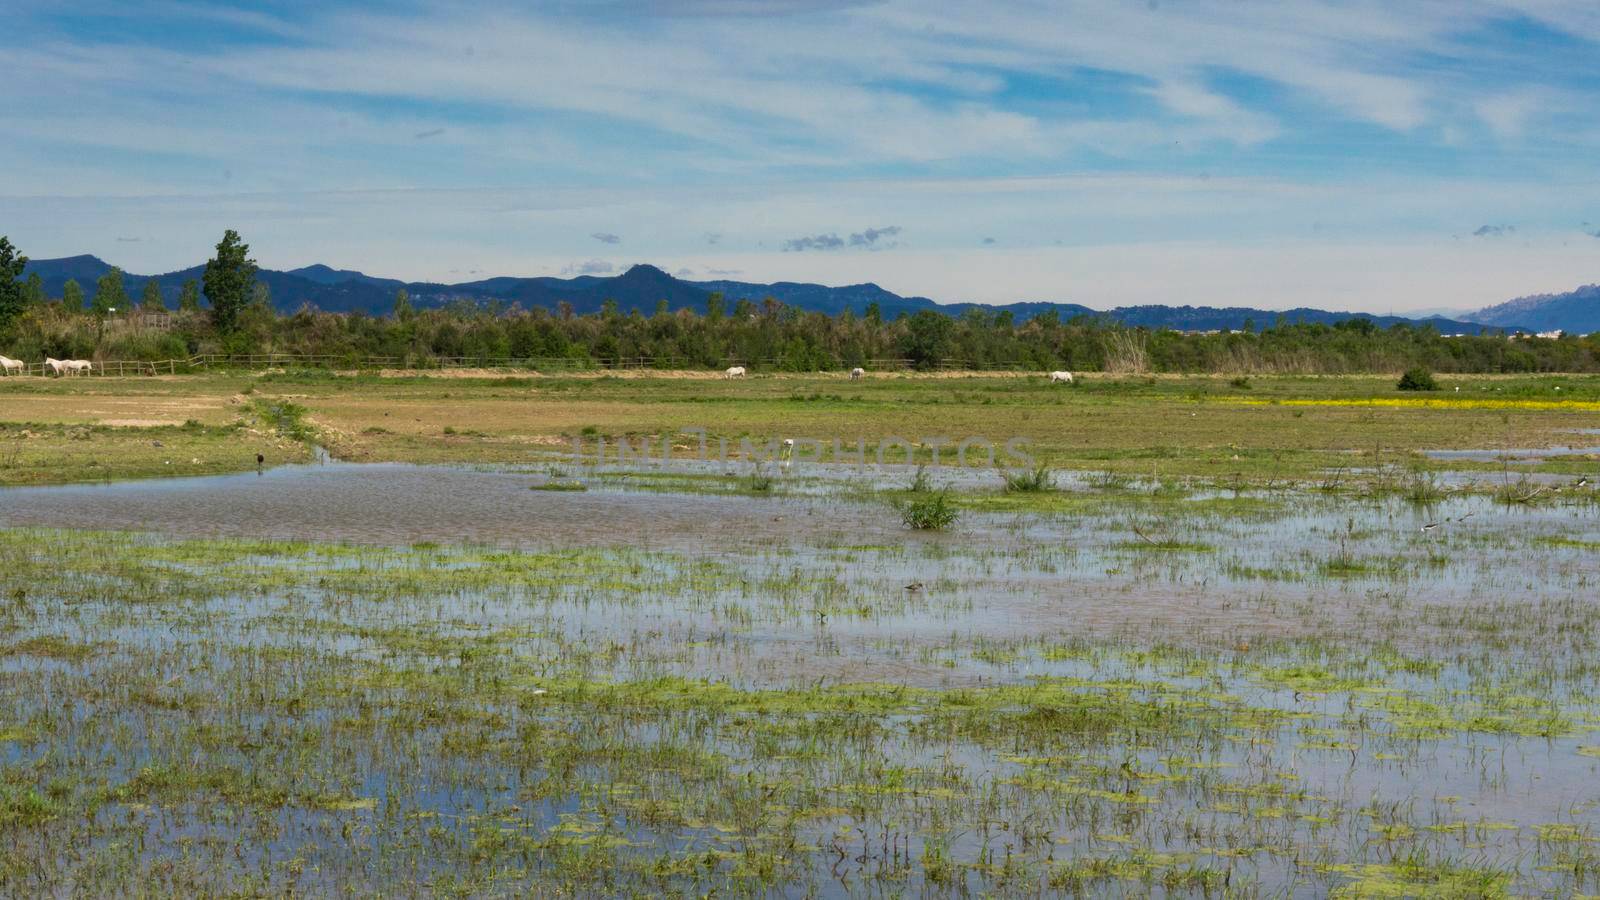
(642, 286)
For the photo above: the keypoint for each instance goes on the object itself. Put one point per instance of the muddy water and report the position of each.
(837, 590)
(401, 504)
(1199, 570)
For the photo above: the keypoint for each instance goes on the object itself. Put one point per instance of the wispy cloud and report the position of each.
(1494, 231)
(871, 236)
(868, 239)
(589, 267)
(829, 241)
(1085, 124)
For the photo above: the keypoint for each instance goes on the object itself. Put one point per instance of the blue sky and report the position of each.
(1356, 155)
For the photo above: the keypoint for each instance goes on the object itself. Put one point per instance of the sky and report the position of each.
(1374, 156)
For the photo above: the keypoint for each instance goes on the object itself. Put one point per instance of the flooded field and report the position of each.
(430, 680)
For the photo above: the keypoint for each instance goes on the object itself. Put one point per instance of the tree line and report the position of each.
(228, 311)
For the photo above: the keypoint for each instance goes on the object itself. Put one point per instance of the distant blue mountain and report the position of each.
(1576, 312)
(642, 287)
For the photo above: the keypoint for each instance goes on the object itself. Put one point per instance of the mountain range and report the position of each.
(642, 287)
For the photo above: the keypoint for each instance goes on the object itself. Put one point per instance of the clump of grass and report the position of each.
(1521, 492)
(1242, 383)
(1110, 481)
(759, 480)
(1417, 379)
(1423, 489)
(929, 511)
(288, 419)
(1035, 481)
(920, 482)
(558, 486)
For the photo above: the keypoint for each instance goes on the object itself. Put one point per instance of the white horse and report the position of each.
(734, 372)
(1060, 377)
(13, 365)
(79, 367)
(58, 366)
(857, 373)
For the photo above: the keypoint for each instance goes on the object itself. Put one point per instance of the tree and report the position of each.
(151, 301)
(402, 305)
(927, 338)
(109, 294)
(33, 291)
(229, 277)
(72, 295)
(189, 296)
(714, 306)
(11, 266)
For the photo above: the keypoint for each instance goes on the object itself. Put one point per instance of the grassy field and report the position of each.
(1215, 428)
(1233, 638)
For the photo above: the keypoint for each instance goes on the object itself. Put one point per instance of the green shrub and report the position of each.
(929, 511)
(1417, 379)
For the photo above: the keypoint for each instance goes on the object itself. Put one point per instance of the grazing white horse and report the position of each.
(857, 373)
(1060, 377)
(734, 372)
(79, 366)
(12, 365)
(58, 366)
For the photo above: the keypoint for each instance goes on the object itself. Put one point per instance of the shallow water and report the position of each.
(1466, 612)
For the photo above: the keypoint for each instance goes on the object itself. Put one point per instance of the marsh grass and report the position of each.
(929, 510)
(1270, 691)
(559, 486)
(408, 718)
(759, 481)
(1033, 481)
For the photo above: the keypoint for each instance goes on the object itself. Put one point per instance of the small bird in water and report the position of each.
(260, 458)
(1430, 526)
(914, 586)
(1581, 482)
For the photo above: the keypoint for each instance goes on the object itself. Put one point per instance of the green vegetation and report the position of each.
(12, 298)
(229, 278)
(1031, 481)
(760, 333)
(1350, 434)
(193, 716)
(1417, 379)
(928, 510)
